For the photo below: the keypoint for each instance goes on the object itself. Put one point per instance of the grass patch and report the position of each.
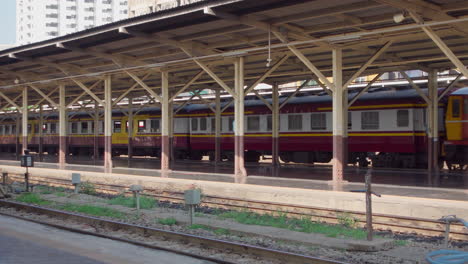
(198, 226)
(302, 225)
(32, 198)
(167, 221)
(87, 188)
(221, 231)
(60, 194)
(145, 202)
(401, 243)
(92, 210)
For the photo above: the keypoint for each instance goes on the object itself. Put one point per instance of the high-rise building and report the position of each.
(38, 20)
(142, 7)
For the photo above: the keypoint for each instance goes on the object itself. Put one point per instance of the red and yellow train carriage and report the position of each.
(387, 128)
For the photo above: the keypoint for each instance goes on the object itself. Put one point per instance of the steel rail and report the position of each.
(421, 226)
(239, 248)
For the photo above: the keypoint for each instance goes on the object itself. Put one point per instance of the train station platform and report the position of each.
(446, 186)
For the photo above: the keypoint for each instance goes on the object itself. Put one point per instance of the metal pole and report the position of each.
(41, 134)
(218, 127)
(96, 133)
(107, 124)
(275, 126)
(4, 178)
(433, 90)
(338, 121)
(62, 127)
(17, 143)
(24, 120)
(369, 227)
(130, 132)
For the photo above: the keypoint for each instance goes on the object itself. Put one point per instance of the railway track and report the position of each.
(103, 225)
(414, 225)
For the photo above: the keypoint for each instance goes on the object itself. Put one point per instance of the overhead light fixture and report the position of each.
(398, 18)
(17, 81)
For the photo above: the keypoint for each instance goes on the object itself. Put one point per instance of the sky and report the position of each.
(7, 21)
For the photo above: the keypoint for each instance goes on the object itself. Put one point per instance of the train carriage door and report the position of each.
(454, 118)
(119, 131)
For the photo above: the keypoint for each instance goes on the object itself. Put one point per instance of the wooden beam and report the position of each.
(130, 89)
(416, 87)
(450, 86)
(294, 94)
(88, 91)
(187, 85)
(44, 95)
(83, 93)
(364, 89)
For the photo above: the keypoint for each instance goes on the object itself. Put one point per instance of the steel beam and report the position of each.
(433, 123)
(275, 126)
(217, 127)
(130, 131)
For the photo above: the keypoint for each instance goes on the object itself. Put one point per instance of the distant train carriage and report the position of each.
(387, 128)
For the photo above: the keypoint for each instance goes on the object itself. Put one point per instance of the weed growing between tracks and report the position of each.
(167, 221)
(145, 202)
(32, 198)
(92, 210)
(305, 225)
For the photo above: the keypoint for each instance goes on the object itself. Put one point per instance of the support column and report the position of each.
(17, 137)
(130, 132)
(62, 127)
(338, 120)
(433, 123)
(275, 126)
(41, 134)
(171, 133)
(24, 120)
(165, 124)
(107, 124)
(96, 133)
(217, 127)
(240, 173)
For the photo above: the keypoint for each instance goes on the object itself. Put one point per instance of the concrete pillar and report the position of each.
(275, 126)
(96, 133)
(338, 120)
(130, 132)
(432, 123)
(240, 173)
(165, 123)
(108, 124)
(217, 127)
(62, 127)
(171, 133)
(24, 120)
(41, 134)
(17, 137)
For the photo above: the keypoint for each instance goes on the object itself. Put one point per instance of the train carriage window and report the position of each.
(1, 130)
(36, 128)
(402, 118)
(456, 108)
(294, 122)
(13, 129)
(53, 128)
(91, 129)
(29, 128)
(7, 130)
(117, 127)
(231, 124)
(155, 125)
(350, 120)
(74, 128)
(465, 106)
(194, 124)
(253, 123)
(141, 126)
(370, 120)
(213, 125)
(318, 121)
(203, 123)
(84, 128)
(269, 123)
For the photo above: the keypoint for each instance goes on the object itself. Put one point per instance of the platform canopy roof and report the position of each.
(196, 42)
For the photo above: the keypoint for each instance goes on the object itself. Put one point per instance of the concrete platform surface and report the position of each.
(427, 208)
(26, 242)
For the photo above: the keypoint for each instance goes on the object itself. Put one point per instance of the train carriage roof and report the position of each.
(462, 91)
